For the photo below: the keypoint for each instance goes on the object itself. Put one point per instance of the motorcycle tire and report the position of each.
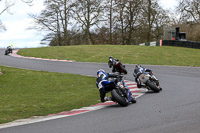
(109, 64)
(153, 87)
(137, 80)
(119, 99)
(123, 70)
(6, 52)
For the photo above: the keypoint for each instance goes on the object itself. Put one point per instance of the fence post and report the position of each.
(160, 42)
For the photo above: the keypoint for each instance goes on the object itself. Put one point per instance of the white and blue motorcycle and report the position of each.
(146, 78)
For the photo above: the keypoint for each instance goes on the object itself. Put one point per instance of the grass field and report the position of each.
(26, 93)
(128, 54)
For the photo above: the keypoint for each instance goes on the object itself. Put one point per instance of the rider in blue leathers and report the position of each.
(139, 70)
(103, 76)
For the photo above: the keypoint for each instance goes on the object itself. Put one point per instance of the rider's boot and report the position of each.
(159, 87)
(108, 99)
(133, 99)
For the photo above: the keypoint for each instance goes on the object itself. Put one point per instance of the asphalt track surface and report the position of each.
(174, 110)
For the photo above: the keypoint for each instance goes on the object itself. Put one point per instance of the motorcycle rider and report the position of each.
(113, 62)
(103, 76)
(138, 71)
(10, 48)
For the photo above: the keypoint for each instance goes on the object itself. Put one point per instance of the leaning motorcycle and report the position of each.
(148, 80)
(116, 65)
(8, 50)
(118, 90)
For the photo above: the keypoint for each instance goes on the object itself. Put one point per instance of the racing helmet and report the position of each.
(138, 66)
(100, 71)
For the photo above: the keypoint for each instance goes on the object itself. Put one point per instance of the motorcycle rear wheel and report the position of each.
(6, 52)
(152, 86)
(118, 98)
(123, 69)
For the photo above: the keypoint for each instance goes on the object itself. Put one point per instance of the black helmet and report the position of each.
(138, 66)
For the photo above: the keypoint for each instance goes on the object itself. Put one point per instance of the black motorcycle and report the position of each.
(116, 66)
(8, 50)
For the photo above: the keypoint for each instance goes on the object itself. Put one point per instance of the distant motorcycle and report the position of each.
(116, 65)
(8, 50)
(146, 78)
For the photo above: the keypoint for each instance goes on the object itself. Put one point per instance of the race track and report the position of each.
(174, 110)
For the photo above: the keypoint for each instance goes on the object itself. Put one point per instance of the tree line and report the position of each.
(72, 22)
(125, 22)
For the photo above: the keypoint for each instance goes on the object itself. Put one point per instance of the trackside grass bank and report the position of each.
(26, 93)
(176, 56)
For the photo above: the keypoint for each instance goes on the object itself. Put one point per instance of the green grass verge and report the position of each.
(26, 93)
(128, 54)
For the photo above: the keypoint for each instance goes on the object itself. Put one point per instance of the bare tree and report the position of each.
(130, 22)
(121, 7)
(111, 2)
(189, 10)
(132, 12)
(162, 20)
(54, 20)
(150, 16)
(29, 2)
(88, 15)
(8, 5)
(110, 18)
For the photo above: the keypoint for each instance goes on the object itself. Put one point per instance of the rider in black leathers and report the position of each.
(9, 49)
(113, 62)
